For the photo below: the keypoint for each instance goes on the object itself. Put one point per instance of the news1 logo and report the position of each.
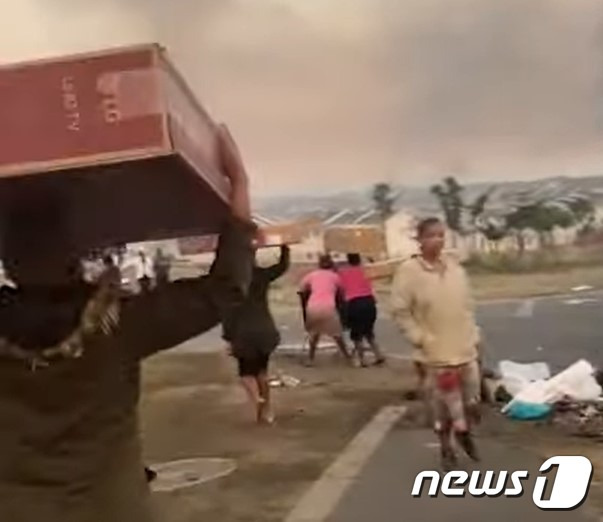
(569, 489)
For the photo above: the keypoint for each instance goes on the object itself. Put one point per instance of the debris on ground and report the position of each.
(519, 410)
(580, 419)
(502, 395)
(186, 473)
(535, 398)
(284, 381)
(517, 376)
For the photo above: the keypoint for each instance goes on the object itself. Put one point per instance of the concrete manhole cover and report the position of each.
(187, 473)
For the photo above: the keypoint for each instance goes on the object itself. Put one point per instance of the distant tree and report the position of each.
(449, 194)
(542, 217)
(493, 232)
(384, 200)
(582, 208)
(478, 207)
(584, 214)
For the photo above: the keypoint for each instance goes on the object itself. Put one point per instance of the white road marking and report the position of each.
(582, 288)
(580, 301)
(324, 495)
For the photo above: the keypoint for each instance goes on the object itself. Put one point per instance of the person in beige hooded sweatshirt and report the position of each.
(432, 304)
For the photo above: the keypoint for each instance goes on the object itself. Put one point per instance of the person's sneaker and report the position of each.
(150, 474)
(465, 440)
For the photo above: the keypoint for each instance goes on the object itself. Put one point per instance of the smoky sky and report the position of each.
(331, 94)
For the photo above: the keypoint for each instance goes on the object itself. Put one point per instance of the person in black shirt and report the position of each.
(256, 337)
(71, 355)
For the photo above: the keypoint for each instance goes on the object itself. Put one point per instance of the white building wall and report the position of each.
(400, 235)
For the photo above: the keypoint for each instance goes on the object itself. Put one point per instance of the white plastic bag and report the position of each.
(517, 376)
(576, 382)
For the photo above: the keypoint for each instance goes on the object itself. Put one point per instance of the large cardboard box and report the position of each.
(381, 270)
(118, 139)
(268, 236)
(286, 233)
(360, 239)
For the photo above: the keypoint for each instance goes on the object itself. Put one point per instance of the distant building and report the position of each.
(400, 235)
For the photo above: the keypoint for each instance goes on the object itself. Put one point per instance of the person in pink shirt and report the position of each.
(322, 287)
(361, 308)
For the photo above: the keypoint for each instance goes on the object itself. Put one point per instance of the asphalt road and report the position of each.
(558, 330)
(383, 491)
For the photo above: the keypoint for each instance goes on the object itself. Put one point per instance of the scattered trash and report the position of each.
(528, 411)
(582, 288)
(186, 473)
(516, 376)
(575, 383)
(284, 381)
(502, 395)
(539, 348)
(580, 419)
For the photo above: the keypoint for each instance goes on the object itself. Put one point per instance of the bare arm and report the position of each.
(277, 270)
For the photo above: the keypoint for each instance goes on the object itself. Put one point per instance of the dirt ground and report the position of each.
(192, 407)
(504, 286)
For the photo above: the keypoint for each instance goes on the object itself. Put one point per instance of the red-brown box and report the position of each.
(118, 138)
(360, 239)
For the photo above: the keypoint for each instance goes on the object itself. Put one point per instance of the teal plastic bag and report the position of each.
(528, 411)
